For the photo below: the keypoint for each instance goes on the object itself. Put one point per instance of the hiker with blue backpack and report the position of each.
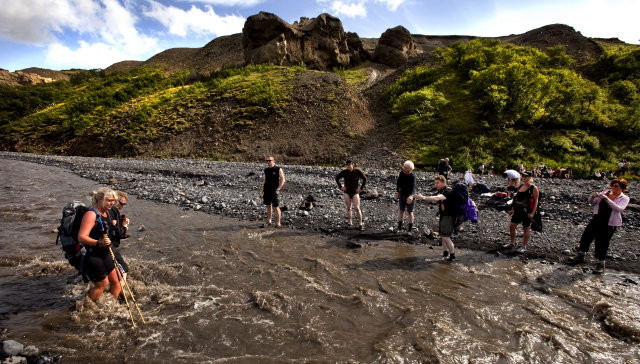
(94, 231)
(448, 210)
(523, 209)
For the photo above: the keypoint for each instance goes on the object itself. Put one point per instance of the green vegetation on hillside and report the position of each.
(497, 104)
(126, 108)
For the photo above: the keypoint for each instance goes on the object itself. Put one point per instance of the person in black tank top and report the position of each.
(523, 208)
(269, 192)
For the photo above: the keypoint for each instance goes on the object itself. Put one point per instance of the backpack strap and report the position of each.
(99, 218)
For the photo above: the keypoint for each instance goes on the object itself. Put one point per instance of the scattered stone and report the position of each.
(11, 348)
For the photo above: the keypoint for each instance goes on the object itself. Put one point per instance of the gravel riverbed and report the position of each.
(231, 189)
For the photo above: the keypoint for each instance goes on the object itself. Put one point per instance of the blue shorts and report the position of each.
(404, 205)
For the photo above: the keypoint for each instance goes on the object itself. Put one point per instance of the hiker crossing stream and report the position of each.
(216, 289)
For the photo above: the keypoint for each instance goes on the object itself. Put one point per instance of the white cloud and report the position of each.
(181, 22)
(105, 31)
(594, 18)
(358, 8)
(87, 55)
(228, 3)
(391, 4)
(349, 8)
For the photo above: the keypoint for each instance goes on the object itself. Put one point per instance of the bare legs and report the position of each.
(270, 214)
(99, 287)
(525, 236)
(353, 203)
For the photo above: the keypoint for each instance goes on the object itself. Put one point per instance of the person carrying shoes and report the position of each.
(607, 216)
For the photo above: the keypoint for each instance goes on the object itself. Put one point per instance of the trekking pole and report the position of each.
(133, 299)
(120, 279)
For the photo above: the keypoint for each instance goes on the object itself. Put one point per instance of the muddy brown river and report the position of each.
(220, 290)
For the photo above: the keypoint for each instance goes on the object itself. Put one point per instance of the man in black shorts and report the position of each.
(352, 177)
(271, 184)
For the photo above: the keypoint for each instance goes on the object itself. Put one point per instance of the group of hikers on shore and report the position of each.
(103, 226)
(607, 204)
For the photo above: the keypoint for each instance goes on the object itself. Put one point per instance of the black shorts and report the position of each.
(350, 193)
(270, 198)
(402, 202)
(98, 265)
(520, 215)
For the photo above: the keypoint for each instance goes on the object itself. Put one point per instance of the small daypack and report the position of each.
(469, 211)
(68, 230)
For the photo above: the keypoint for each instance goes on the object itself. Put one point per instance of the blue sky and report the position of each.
(63, 34)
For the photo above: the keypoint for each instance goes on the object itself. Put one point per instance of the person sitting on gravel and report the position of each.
(352, 177)
(468, 179)
(607, 216)
(94, 235)
(448, 212)
(272, 183)
(523, 208)
(121, 223)
(405, 189)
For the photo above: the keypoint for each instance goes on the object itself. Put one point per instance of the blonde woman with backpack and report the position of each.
(94, 235)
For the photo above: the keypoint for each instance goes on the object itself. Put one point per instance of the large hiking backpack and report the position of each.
(461, 193)
(68, 230)
(468, 209)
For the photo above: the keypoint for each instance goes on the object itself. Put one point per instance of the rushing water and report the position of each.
(214, 289)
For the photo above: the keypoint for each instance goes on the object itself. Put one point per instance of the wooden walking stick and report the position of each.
(132, 297)
(120, 279)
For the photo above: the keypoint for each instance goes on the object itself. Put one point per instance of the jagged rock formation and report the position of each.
(395, 47)
(321, 43)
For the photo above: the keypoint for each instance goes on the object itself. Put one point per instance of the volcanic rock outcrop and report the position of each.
(321, 43)
(18, 78)
(395, 47)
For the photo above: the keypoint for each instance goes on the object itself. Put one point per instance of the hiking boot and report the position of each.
(445, 254)
(452, 257)
(522, 249)
(577, 259)
(599, 269)
(508, 246)
(361, 228)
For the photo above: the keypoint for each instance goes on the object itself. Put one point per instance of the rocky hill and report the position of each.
(326, 119)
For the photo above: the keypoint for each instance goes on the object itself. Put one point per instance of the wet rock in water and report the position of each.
(10, 348)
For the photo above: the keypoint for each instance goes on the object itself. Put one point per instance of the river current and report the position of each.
(215, 289)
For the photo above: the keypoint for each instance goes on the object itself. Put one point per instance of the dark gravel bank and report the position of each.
(231, 189)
